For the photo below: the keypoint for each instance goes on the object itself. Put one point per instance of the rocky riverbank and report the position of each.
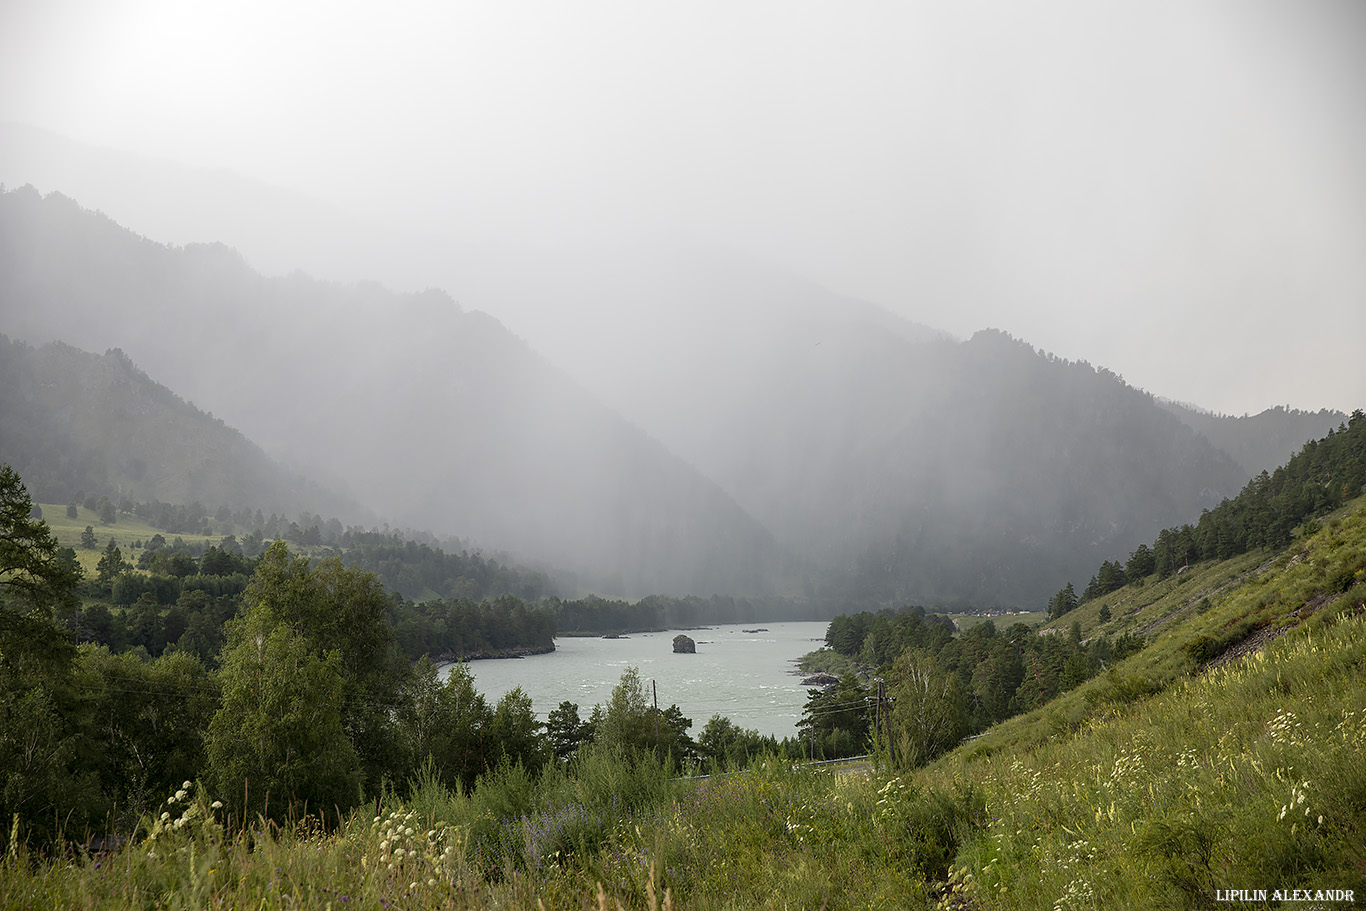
(452, 658)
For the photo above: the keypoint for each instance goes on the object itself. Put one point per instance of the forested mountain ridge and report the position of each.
(843, 428)
(1263, 441)
(76, 422)
(1266, 513)
(434, 416)
(993, 462)
(892, 463)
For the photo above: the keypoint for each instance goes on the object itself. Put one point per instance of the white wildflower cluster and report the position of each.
(1284, 728)
(1029, 782)
(891, 797)
(1076, 853)
(1128, 767)
(407, 850)
(800, 828)
(183, 812)
(1078, 894)
(1352, 727)
(1297, 807)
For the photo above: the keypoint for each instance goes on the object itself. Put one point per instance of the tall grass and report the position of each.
(1151, 786)
(1248, 777)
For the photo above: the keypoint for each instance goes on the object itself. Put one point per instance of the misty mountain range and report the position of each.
(761, 435)
(76, 423)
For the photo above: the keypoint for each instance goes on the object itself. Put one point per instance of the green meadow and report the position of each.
(125, 532)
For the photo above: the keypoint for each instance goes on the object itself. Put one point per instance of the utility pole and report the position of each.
(877, 711)
(654, 685)
(882, 715)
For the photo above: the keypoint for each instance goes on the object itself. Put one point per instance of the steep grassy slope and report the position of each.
(1226, 755)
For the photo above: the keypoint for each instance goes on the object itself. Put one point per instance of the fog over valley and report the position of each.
(711, 455)
(907, 303)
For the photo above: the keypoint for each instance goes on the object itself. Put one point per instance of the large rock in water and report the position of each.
(684, 645)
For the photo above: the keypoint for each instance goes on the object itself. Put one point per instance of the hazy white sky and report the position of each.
(1174, 190)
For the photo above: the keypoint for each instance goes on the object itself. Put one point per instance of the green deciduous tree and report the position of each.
(624, 722)
(516, 731)
(629, 724)
(723, 744)
(335, 608)
(146, 724)
(276, 744)
(40, 709)
(929, 715)
(445, 723)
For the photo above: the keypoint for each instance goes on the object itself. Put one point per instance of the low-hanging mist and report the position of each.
(819, 450)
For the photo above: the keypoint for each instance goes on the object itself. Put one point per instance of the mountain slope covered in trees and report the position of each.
(434, 416)
(1263, 441)
(78, 424)
(864, 460)
(970, 471)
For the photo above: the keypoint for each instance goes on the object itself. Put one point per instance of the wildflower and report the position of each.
(216, 805)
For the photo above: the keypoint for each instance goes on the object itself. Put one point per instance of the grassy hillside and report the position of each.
(1226, 755)
(125, 531)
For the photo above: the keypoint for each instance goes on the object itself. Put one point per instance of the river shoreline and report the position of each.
(451, 658)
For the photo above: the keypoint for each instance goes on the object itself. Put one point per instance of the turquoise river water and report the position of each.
(748, 677)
